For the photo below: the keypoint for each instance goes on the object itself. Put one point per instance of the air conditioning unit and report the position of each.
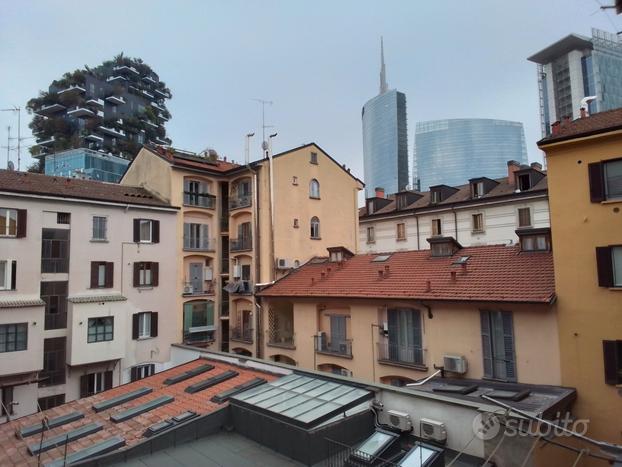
(208, 273)
(433, 430)
(455, 364)
(237, 271)
(345, 372)
(283, 263)
(188, 289)
(400, 420)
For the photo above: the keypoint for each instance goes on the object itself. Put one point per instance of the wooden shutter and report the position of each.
(109, 279)
(154, 324)
(135, 325)
(393, 334)
(133, 374)
(604, 266)
(107, 380)
(612, 365)
(21, 223)
(94, 274)
(84, 385)
(136, 275)
(155, 272)
(597, 185)
(204, 236)
(508, 345)
(417, 335)
(155, 231)
(136, 230)
(486, 345)
(13, 275)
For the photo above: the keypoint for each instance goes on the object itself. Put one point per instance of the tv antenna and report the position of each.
(263, 102)
(19, 132)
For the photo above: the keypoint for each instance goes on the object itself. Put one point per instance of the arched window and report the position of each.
(315, 227)
(314, 188)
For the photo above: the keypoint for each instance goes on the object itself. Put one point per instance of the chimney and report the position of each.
(583, 112)
(313, 281)
(453, 276)
(379, 192)
(380, 273)
(555, 128)
(428, 286)
(513, 166)
(536, 166)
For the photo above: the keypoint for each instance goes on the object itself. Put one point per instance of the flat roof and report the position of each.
(561, 47)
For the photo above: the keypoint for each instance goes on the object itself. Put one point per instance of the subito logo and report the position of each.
(486, 426)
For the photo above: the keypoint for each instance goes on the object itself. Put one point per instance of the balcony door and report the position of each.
(338, 333)
(405, 336)
(196, 277)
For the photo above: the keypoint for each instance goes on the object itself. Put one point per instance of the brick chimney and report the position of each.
(536, 166)
(379, 192)
(513, 166)
(555, 128)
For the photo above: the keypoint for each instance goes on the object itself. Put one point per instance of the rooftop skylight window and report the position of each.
(380, 258)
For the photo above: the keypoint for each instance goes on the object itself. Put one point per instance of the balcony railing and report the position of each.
(52, 377)
(199, 243)
(202, 200)
(190, 290)
(280, 338)
(240, 287)
(403, 354)
(242, 334)
(242, 201)
(241, 244)
(342, 347)
(55, 321)
(51, 265)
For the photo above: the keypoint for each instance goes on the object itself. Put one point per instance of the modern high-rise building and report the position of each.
(576, 67)
(385, 138)
(450, 152)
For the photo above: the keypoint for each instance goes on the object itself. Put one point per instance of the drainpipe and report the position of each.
(418, 242)
(455, 222)
(272, 252)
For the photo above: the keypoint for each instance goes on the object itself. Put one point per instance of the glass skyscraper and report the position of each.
(450, 152)
(86, 163)
(576, 67)
(385, 139)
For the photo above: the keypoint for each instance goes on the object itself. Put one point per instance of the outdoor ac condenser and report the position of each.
(433, 430)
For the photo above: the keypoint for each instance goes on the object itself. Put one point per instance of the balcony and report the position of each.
(96, 102)
(241, 244)
(54, 265)
(55, 321)
(190, 289)
(161, 93)
(149, 79)
(162, 141)
(238, 202)
(50, 109)
(202, 200)
(278, 338)
(71, 90)
(393, 353)
(162, 117)
(337, 347)
(94, 137)
(47, 142)
(125, 68)
(112, 132)
(112, 79)
(151, 124)
(242, 334)
(80, 112)
(115, 100)
(199, 243)
(157, 107)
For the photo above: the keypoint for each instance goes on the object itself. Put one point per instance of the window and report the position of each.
(8, 274)
(405, 337)
(371, 235)
(498, 345)
(609, 265)
(524, 217)
(146, 274)
(7, 400)
(144, 325)
(53, 362)
(54, 294)
(12, 222)
(196, 236)
(535, 242)
(313, 159)
(51, 401)
(295, 180)
(314, 189)
(436, 227)
(435, 197)
(197, 193)
(198, 321)
(94, 383)
(401, 231)
(102, 275)
(55, 251)
(296, 224)
(605, 180)
(100, 225)
(478, 222)
(370, 206)
(315, 228)
(146, 231)
(402, 202)
(63, 218)
(523, 182)
(100, 329)
(477, 189)
(612, 353)
(13, 337)
(142, 371)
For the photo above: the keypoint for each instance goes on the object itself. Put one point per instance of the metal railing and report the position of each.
(55, 320)
(189, 289)
(405, 354)
(340, 455)
(242, 334)
(241, 244)
(242, 201)
(203, 200)
(198, 243)
(280, 338)
(49, 265)
(336, 347)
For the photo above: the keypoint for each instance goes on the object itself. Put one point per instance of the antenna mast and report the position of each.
(263, 102)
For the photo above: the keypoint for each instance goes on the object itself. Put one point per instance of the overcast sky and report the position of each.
(318, 61)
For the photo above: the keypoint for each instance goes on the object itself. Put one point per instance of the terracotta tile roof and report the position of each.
(75, 188)
(601, 122)
(183, 159)
(494, 273)
(13, 451)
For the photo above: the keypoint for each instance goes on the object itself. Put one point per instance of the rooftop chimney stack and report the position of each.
(513, 166)
(555, 128)
(379, 192)
(536, 166)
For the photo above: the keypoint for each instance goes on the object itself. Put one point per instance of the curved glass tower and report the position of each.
(385, 139)
(450, 152)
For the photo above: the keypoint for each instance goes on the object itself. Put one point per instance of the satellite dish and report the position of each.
(264, 145)
(10, 165)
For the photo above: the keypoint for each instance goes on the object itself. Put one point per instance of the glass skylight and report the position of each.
(380, 258)
(375, 445)
(420, 456)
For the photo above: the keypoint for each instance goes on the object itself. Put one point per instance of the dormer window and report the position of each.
(477, 189)
(370, 206)
(338, 254)
(435, 197)
(523, 182)
(443, 246)
(402, 202)
(534, 239)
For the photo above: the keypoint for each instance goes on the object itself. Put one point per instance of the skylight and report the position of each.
(374, 446)
(380, 258)
(461, 260)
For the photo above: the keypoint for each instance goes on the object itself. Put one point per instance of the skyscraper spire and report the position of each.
(383, 72)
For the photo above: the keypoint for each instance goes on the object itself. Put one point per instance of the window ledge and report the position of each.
(99, 240)
(334, 354)
(400, 239)
(315, 238)
(612, 201)
(414, 366)
(145, 287)
(314, 197)
(198, 206)
(144, 338)
(478, 232)
(616, 288)
(371, 242)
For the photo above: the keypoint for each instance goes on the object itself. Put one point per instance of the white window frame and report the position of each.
(6, 213)
(101, 275)
(144, 371)
(371, 238)
(99, 381)
(6, 264)
(314, 189)
(140, 231)
(397, 231)
(145, 275)
(144, 325)
(616, 254)
(518, 210)
(105, 229)
(475, 228)
(478, 189)
(437, 232)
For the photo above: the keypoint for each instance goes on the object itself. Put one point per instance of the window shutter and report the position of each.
(508, 345)
(155, 272)
(133, 374)
(597, 186)
(136, 279)
(94, 265)
(109, 279)
(135, 325)
(155, 231)
(204, 234)
(84, 385)
(611, 362)
(136, 230)
(604, 266)
(21, 223)
(486, 347)
(107, 380)
(154, 324)
(13, 275)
